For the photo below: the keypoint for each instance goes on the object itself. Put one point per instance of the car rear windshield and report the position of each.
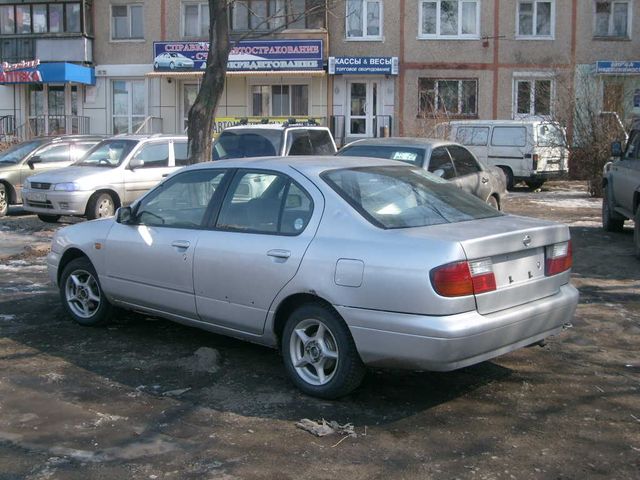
(550, 135)
(247, 143)
(412, 155)
(18, 152)
(403, 197)
(108, 153)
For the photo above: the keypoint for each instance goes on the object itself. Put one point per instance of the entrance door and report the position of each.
(53, 110)
(363, 108)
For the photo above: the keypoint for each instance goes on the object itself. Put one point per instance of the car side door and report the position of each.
(156, 165)
(266, 222)
(470, 176)
(149, 260)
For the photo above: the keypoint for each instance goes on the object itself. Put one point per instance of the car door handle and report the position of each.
(184, 244)
(277, 253)
(485, 180)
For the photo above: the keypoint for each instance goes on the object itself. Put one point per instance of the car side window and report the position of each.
(472, 135)
(300, 143)
(463, 160)
(56, 153)
(154, 155)
(321, 142)
(440, 160)
(181, 153)
(509, 136)
(181, 201)
(264, 202)
(633, 147)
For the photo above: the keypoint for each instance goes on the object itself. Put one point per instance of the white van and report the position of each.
(526, 150)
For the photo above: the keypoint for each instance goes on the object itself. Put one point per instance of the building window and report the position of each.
(189, 94)
(533, 97)
(26, 19)
(126, 22)
(612, 19)
(195, 19)
(129, 105)
(536, 19)
(279, 100)
(364, 19)
(449, 19)
(448, 97)
(269, 15)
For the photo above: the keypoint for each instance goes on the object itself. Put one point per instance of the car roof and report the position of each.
(499, 122)
(401, 141)
(275, 126)
(140, 137)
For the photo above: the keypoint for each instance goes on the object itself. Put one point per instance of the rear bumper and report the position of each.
(388, 339)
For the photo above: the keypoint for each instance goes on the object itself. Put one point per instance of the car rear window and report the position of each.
(403, 197)
(550, 135)
(247, 143)
(412, 155)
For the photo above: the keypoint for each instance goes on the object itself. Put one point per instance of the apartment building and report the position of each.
(369, 68)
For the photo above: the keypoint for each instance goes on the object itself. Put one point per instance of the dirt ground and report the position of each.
(149, 399)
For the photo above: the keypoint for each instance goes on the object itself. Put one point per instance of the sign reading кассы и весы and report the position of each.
(363, 65)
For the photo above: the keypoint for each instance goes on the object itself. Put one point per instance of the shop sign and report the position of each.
(220, 123)
(617, 67)
(249, 55)
(21, 72)
(363, 65)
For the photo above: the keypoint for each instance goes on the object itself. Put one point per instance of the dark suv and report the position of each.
(35, 156)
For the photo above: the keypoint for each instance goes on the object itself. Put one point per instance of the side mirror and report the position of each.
(439, 173)
(124, 215)
(33, 160)
(136, 163)
(616, 149)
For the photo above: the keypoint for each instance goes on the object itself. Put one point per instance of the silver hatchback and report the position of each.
(338, 262)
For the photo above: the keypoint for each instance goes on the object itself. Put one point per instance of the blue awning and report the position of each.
(62, 72)
(67, 73)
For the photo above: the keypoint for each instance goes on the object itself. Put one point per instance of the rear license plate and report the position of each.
(518, 267)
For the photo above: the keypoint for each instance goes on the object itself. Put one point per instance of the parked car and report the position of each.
(621, 188)
(173, 61)
(448, 160)
(37, 155)
(273, 140)
(113, 173)
(339, 262)
(532, 151)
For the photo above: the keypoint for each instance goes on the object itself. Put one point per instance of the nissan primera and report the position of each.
(338, 262)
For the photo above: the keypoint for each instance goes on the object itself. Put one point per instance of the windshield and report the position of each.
(247, 143)
(108, 153)
(18, 152)
(412, 155)
(550, 135)
(402, 197)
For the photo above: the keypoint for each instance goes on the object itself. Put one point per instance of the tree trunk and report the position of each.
(201, 115)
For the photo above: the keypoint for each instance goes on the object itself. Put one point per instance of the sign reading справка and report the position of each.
(363, 65)
(250, 55)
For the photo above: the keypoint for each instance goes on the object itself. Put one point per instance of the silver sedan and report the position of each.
(340, 263)
(448, 160)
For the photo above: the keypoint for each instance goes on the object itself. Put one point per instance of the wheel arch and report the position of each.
(116, 198)
(69, 255)
(288, 305)
(12, 195)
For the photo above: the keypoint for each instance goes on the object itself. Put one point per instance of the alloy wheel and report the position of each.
(82, 293)
(314, 352)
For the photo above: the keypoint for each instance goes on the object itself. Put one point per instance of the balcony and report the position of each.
(48, 49)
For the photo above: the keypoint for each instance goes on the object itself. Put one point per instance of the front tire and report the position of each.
(509, 177)
(48, 218)
(636, 234)
(319, 353)
(4, 200)
(101, 205)
(611, 222)
(82, 295)
(534, 184)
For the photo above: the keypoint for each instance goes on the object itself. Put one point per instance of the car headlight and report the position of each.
(67, 187)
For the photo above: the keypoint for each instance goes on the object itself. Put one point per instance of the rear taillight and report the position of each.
(558, 258)
(464, 278)
(535, 161)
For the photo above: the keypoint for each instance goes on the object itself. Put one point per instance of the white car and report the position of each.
(172, 60)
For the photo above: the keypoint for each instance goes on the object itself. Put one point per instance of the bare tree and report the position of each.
(201, 115)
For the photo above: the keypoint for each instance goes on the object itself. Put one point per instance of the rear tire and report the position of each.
(101, 205)
(4, 200)
(534, 184)
(82, 295)
(49, 218)
(319, 353)
(509, 176)
(611, 222)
